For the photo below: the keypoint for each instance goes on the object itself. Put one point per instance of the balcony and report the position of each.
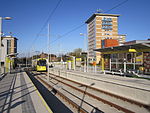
(107, 27)
(107, 20)
(107, 24)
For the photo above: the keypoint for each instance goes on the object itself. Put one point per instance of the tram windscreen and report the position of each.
(41, 63)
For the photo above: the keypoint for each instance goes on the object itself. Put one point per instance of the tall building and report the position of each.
(9, 50)
(121, 39)
(100, 26)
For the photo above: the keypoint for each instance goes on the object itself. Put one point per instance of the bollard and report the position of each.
(104, 72)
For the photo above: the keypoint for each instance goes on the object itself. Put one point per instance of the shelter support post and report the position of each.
(103, 68)
(110, 63)
(125, 66)
(134, 65)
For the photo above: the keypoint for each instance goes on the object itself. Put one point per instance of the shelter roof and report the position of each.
(136, 46)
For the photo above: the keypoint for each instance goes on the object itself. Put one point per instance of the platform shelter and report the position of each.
(130, 57)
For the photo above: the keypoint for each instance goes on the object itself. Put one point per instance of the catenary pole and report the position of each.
(48, 48)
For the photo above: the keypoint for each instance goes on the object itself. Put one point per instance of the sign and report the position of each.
(139, 58)
(78, 62)
(132, 50)
(94, 63)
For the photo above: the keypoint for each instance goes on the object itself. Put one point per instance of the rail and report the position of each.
(81, 110)
(96, 97)
(111, 84)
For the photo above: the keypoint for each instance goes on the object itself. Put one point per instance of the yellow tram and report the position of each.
(40, 65)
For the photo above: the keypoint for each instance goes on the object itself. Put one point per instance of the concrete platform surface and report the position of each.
(130, 88)
(19, 95)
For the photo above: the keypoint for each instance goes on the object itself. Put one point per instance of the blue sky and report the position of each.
(29, 17)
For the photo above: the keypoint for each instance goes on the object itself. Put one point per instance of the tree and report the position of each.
(77, 52)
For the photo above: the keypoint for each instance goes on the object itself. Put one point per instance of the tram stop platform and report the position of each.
(19, 95)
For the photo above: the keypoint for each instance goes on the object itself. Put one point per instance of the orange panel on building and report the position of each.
(109, 43)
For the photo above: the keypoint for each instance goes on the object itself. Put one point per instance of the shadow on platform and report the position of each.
(53, 102)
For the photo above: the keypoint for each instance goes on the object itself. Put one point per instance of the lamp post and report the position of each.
(86, 49)
(82, 34)
(48, 51)
(1, 18)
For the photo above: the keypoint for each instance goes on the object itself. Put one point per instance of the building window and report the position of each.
(107, 24)
(15, 46)
(8, 46)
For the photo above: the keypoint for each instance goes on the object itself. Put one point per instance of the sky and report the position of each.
(30, 20)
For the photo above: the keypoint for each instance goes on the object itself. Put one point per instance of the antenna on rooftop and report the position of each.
(99, 10)
(10, 33)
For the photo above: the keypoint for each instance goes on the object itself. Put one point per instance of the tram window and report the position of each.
(41, 63)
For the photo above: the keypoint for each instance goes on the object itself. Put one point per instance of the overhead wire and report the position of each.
(116, 6)
(51, 14)
(72, 30)
(76, 28)
(46, 22)
(84, 23)
(67, 33)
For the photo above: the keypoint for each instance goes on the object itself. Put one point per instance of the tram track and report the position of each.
(133, 103)
(102, 91)
(63, 96)
(90, 92)
(98, 98)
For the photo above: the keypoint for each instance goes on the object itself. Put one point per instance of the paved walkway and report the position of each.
(19, 95)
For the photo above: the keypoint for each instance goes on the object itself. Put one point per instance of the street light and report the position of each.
(86, 49)
(2, 18)
(82, 34)
(7, 18)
